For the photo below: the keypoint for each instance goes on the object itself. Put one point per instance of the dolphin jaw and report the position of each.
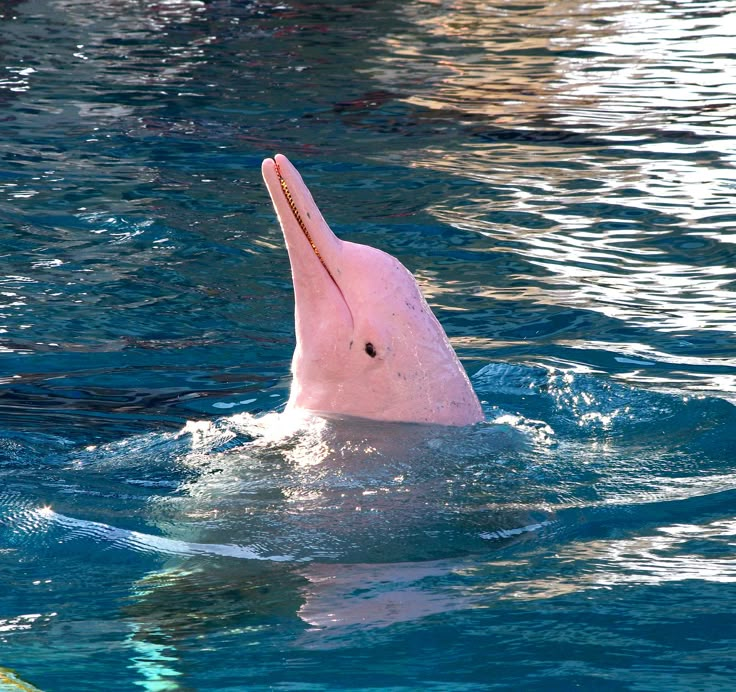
(300, 216)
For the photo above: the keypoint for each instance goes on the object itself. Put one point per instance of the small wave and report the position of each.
(34, 520)
(509, 533)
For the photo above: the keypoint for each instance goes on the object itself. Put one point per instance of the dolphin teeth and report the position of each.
(299, 220)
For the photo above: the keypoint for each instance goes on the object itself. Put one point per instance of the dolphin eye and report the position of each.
(370, 349)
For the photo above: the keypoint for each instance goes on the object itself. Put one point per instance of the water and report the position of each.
(558, 175)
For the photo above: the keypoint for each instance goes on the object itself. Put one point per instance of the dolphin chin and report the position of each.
(367, 343)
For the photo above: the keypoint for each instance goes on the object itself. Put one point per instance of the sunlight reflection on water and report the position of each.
(519, 62)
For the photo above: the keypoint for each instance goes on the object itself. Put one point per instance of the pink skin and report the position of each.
(352, 300)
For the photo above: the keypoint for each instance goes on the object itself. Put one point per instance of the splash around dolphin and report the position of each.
(367, 343)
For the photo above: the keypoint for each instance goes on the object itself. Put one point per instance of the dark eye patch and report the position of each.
(370, 349)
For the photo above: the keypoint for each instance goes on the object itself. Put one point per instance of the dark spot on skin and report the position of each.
(350, 348)
(309, 216)
(370, 349)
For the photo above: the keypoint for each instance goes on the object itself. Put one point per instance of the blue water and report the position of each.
(560, 178)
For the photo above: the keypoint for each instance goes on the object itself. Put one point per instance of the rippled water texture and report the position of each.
(560, 178)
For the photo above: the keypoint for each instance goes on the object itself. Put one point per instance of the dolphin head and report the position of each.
(367, 343)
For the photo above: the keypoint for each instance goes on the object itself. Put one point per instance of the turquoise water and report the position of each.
(560, 178)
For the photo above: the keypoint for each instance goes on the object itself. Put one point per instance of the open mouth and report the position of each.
(299, 220)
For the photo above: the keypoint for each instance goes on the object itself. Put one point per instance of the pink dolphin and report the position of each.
(367, 343)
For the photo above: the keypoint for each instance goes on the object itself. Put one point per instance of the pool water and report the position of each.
(560, 178)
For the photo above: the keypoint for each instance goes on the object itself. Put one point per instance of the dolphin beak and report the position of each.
(300, 218)
(314, 250)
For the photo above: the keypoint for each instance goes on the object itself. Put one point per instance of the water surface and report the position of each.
(559, 176)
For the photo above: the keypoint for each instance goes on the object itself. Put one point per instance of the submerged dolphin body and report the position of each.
(367, 343)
